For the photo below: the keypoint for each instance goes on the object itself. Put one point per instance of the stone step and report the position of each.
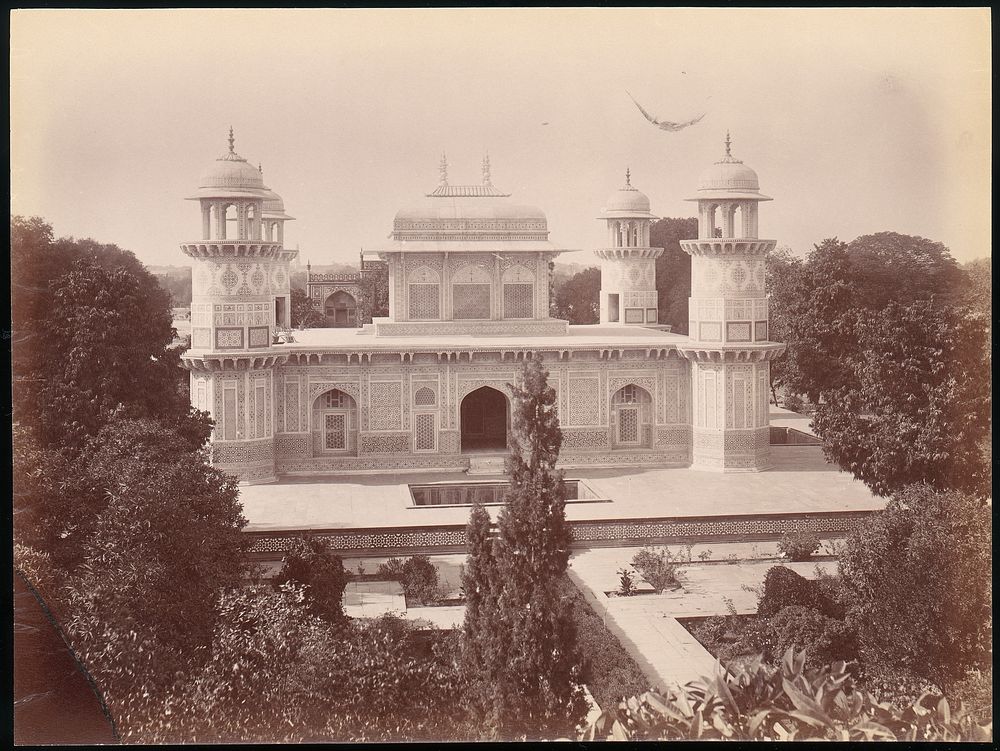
(487, 464)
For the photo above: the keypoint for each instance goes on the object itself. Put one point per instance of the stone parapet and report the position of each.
(540, 327)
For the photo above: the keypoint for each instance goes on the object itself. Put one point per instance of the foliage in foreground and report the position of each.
(790, 702)
(275, 673)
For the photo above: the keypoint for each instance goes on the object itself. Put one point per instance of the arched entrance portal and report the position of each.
(341, 310)
(485, 419)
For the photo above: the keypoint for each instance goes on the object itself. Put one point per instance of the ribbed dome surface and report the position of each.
(627, 199)
(729, 175)
(465, 207)
(231, 172)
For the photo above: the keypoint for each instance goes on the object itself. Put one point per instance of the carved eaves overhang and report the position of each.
(469, 355)
(708, 353)
(226, 362)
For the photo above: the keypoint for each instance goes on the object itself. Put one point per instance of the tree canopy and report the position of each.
(673, 270)
(577, 299)
(915, 404)
(92, 334)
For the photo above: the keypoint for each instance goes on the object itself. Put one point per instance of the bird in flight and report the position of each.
(664, 124)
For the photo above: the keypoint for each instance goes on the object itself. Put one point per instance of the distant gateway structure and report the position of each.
(425, 387)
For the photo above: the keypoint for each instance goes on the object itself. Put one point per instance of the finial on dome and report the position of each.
(628, 178)
(260, 169)
(232, 141)
(487, 180)
(444, 169)
(728, 142)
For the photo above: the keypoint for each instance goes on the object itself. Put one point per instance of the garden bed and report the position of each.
(609, 671)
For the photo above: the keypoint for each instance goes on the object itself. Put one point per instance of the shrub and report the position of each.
(794, 402)
(311, 564)
(791, 702)
(391, 570)
(626, 585)
(918, 577)
(783, 587)
(799, 546)
(824, 639)
(657, 566)
(420, 581)
(418, 577)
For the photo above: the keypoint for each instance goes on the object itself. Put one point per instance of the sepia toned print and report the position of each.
(501, 374)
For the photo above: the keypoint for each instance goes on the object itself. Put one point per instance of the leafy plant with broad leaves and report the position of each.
(790, 702)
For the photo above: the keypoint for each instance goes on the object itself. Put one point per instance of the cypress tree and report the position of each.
(521, 665)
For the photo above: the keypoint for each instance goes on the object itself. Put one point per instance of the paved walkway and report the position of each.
(647, 624)
(800, 481)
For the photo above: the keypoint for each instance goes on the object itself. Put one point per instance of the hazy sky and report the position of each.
(857, 121)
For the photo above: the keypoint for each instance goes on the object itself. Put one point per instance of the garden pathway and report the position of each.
(647, 624)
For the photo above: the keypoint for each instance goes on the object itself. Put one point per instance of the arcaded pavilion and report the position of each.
(426, 387)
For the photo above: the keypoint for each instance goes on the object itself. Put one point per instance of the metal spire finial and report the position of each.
(728, 142)
(628, 178)
(444, 169)
(232, 141)
(260, 169)
(487, 179)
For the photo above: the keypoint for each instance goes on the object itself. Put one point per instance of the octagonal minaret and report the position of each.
(728, 346)
(237, 280)
(628, 264)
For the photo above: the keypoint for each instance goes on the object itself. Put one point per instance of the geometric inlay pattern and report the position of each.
(470, 301)
(228, 338)
(518, 300)
(385, 405)
(423, 432)
(425, 302)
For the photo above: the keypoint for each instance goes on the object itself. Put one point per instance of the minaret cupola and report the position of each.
(628, 263)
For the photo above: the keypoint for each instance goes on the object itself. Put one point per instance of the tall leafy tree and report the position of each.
(577, 298)
(92, 334)
(918, 578)
(811, 302)
(916, 404)
(673, 269)
(518, 628)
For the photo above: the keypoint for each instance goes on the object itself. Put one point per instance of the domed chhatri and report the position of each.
(729, 178)
(230, 172)
(628, 264)
(274, 205)
(627, 201)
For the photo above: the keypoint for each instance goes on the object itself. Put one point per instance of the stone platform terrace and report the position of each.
(374, 514)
